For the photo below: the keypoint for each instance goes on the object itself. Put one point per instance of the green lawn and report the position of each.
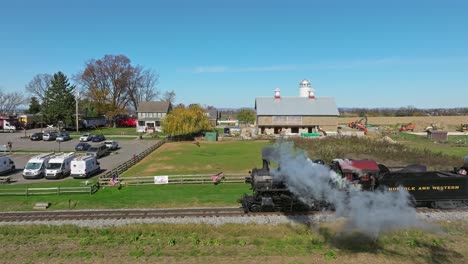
(455, 146)
(108, 131)
(149, 196)
(210, 157)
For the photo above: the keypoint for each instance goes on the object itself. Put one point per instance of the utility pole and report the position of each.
(76, 112)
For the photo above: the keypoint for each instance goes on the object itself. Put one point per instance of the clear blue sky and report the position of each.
(226, 53)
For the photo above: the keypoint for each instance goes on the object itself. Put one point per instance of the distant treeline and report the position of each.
(403, 111)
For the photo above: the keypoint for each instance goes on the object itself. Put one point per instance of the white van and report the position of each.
(35, 168)
(59, 166)
(84, 166)
(6, 164)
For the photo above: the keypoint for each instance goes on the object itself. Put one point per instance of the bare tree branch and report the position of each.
(11, 101)
(38, 85)
(169, 96)
(142, 86)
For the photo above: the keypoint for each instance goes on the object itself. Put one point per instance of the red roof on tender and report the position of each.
(363, 165)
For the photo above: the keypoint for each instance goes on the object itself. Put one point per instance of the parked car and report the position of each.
(36, 136)
(98, 138)
(63, 137)
(86, 137)
(82, 146)
(97, 151)
(111, 144)
(49, 136)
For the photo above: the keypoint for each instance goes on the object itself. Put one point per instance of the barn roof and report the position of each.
(320, 106)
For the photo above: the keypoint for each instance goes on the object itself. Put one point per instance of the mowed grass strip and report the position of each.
(129, 197)
(177, 158)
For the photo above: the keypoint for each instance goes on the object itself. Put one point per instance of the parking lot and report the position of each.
(127, 149)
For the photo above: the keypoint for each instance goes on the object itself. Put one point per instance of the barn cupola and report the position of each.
(304, 88)
(277, 93)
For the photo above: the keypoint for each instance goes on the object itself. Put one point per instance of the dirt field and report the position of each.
(450, 123)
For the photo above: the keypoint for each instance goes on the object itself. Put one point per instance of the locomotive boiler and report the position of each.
(435, 189)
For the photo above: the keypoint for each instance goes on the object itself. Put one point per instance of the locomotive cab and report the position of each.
(361, 173)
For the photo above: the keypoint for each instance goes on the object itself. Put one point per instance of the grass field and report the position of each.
(230, 243)
(209, 157)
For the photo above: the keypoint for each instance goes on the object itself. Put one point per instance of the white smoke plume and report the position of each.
(370, 213)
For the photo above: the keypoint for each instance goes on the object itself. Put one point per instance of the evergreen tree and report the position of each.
(59, 100)
(34, 106)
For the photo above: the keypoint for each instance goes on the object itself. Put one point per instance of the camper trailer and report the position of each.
(59, 166)
(6, 164)
(84, 166)
(35, 168)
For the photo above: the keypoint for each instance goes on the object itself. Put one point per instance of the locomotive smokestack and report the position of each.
(265, 164)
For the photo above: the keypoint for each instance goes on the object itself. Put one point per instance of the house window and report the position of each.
(141, 123)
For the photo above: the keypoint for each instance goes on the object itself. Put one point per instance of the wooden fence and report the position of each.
(126, 165)
(50, 190)
(175, 179)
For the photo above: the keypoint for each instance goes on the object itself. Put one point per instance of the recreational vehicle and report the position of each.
(59, 166)
(84, 166)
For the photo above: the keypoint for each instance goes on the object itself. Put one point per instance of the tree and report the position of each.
(59, 100)
(186, 121)
(112, 84)
(38, 85)
(142, 86)
(34, 106)
(169, 97)
(9, 102)
(246, 116)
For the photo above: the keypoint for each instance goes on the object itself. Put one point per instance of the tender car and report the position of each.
(49, 136)
(82, 146)
(98, 138)
(63, 137)
(86, 137)
(97, 151)
(111, 144)
(36, 136)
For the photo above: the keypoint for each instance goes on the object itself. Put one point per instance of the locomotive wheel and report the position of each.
(255, 208)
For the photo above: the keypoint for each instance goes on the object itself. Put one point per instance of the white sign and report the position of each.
(161, 179)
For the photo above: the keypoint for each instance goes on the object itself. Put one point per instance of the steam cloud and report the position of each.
(370, 213)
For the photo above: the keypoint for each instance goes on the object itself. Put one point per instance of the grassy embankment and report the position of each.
(230, 243)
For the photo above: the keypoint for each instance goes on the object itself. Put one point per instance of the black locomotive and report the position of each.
(436, 189)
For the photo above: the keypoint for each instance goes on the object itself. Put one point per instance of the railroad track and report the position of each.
(117, 214)
(45, 216)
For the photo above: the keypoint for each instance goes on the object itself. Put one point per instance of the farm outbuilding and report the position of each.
(296, 114)
(437, 135)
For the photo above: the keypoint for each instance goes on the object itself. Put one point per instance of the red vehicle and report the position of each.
(125, 121)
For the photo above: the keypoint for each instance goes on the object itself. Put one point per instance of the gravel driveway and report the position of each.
(128, 148)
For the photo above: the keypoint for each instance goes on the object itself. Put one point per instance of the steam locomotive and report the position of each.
(435, 189)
